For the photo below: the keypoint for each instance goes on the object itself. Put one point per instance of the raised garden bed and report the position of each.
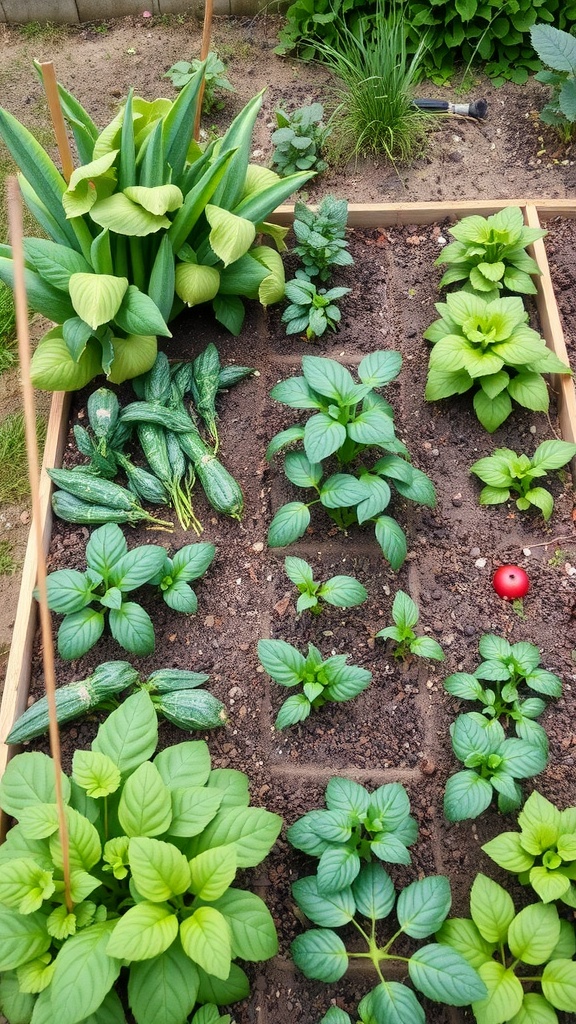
(397, 730)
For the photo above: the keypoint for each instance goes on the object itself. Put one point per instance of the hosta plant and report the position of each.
(349, 420)
(340, 591)
(322, 680)
(509, 475)
(434, 968)
(357, 826)
(557, 51)
(174, 692)
(524, 959)
(489, 347)
(155, 842)
(88, 599)
(320, 236)
(493, 764)
(149, 222)
(490, 254)
(298, 140)
(405, 613)
(502, 683)
(214, 78)
(543, 852)
(311, 310)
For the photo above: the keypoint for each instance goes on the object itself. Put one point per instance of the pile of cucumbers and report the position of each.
(174, 404)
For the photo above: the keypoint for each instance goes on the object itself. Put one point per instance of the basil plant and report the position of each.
(150, 222)
(155, 842)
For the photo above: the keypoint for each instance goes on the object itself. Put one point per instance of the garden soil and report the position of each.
(397, 730)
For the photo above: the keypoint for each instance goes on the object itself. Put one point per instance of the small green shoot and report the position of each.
(405, 613)
(14, 483)
(320, 237)
(299, 139)
(7, 564)
(340, 591)
(509, 475)
(214, 78)
(7, 329)
(312, 310)
(321, 680)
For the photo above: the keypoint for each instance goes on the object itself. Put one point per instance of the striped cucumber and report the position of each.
(221, 489)
(158, 415)
(231, 375)
(168, 680)
(74, 700)
(103, 409)
(157, 381)
(191, 709)
(74, 510)
(143, 484)
(93, 489)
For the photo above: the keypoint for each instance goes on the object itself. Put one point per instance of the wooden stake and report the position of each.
(204, 51)
(51, 90)
(16, 233)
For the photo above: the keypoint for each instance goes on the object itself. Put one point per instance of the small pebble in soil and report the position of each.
(469, 630)
(526, 551)
(258, 546)
(480, 563)
(474, 552)
(457, 500)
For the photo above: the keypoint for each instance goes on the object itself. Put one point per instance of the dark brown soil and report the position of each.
(397, 730)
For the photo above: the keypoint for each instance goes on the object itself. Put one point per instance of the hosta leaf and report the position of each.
(206, 939)
(144, 931)
(119, 214)
(53, 368)
(212, 872)
(192, 808)
(462, 934)
(444, 975)
(28, 780)
(159, 869)
(252, 930)
(559, 984)
(320, 954)
(230, 236)
(97, 297)
(534, 933)
(491, 908)
(504, 994)
(184, 764)
(139, 315)
(129, 735)
(195, 283)
(253, 831)
(423, 905)
(159, 200)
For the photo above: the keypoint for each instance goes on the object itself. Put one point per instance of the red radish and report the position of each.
(511, 582)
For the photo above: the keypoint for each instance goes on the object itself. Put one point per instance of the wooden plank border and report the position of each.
(359, 215)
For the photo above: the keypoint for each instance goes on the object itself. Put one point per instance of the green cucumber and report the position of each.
(73, 510)
(168, 680)
(191, 709)
(93, 489)
(231, 375)
(221, 489)
(103, 410)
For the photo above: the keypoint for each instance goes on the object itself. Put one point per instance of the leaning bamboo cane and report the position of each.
(16, 233)
(204, 51)
(51, 90)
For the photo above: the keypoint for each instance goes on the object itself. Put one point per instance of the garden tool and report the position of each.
(478, 108)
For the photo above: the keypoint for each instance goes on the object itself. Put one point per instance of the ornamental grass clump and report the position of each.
(155, 843)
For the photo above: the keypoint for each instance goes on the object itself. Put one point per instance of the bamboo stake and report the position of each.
(51, 89)
(16, 233)
(204, 51)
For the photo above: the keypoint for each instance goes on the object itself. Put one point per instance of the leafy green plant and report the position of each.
(322, 680)
(356, 827)
(377, 75)
(543, 852)
(348, 420)
(340, 591)
(14, 482)
(490, 254)
(557, 50)
(7, 564)
(506, 948)
(492, 35)
(155, 845)
(405, 613)
(214, 79)
(298, 140)
(508, 474)
(488, 346)
(7, 329)
(148, 224)
(320, 237)
(175, 695)
(435, 969)
(493, 764)
(89, 599)
(311, 309)
(507, 669)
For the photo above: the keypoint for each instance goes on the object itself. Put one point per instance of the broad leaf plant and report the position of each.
(508, 475)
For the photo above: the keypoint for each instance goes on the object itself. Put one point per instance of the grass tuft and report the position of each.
(7, 564)
(7, 329)
(375, 113)
(14, 483)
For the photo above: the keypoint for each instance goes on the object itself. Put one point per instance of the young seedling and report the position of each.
(321, 680)
(214, 78)
(435, 969)
(357, 826)
(489, 347)
(513, 953)
(493, 764)
(86, 598)
(406, 614)
(490, 254)
(299, 139)
(348, 420)
(320, 237)
(340, 591)
(500, 681)
(543, 852)
(311, 310)
(508, 475)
